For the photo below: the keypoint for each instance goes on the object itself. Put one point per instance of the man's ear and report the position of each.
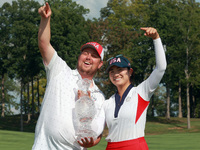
(100, 64)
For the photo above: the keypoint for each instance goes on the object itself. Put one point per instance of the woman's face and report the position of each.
(120, 76)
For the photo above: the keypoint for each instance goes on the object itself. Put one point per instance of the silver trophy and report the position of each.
(85, 111)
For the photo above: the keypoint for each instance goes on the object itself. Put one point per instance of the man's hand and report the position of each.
(81, 94)
(150, 32)
(45, 11)
(86, 142)
(89, 142)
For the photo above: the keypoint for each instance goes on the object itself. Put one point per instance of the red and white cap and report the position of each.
(95, 46)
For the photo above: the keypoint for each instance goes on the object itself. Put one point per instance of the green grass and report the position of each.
(178, 141)
(161, 134)
(13, 140)
(160, 125)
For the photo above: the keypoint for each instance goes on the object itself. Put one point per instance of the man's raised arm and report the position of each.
(44, 34)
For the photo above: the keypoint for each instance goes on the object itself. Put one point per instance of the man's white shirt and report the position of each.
(55, 129)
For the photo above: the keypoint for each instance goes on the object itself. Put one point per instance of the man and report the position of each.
(56, 128)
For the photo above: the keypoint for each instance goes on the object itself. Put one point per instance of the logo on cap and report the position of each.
(95, 46)
(119, 61)
(114, 60)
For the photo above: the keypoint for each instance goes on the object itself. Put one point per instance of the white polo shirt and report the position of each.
(126, 119)
(55, 129)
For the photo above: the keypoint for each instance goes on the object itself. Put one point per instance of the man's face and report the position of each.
(89, 62)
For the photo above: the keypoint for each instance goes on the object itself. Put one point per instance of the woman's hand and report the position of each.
(150, 32)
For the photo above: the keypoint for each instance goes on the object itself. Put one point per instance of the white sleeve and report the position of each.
(147, 87)
(161, 64)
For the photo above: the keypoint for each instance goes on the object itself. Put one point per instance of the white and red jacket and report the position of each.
(126, 119)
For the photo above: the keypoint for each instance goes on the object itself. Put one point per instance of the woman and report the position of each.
(125, 111)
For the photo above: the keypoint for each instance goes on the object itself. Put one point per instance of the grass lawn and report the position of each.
(14, 140)
(161, 134)
(177, 141)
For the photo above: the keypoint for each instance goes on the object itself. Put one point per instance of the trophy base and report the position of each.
(86, 133)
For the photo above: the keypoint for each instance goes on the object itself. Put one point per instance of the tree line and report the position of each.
(118, 30)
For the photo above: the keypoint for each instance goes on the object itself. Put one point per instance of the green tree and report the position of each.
(177, 22)
(10, 93)
(118, 29)
(23, 40)
(6, 59)
(189, 25)
(173, 19)
(163, 16)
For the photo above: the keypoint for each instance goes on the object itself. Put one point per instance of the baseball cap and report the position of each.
(95, 46)
(119, 61)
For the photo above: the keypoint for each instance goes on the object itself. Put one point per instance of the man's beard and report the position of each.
(86, 71)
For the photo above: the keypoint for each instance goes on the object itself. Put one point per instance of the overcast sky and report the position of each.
(94, 6)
